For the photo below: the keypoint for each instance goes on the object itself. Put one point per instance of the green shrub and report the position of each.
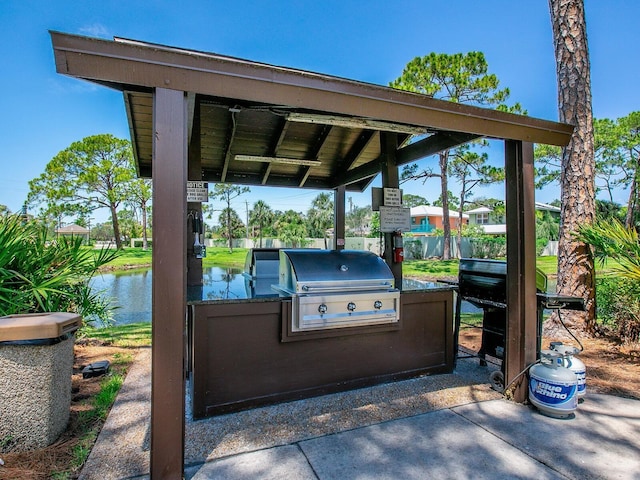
(414, 249)
(138, 243)
(40, 275)
(488, 246)
(618, 306)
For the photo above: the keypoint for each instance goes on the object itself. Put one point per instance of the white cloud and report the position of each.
(95, 30)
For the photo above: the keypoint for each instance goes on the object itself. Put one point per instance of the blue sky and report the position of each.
(367, 40)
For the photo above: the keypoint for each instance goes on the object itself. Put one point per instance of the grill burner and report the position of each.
(337, 288)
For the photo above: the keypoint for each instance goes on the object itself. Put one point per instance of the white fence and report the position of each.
(415, 247)
(351, 243)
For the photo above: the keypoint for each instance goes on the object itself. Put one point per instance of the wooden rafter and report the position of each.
(231, 133)
(359, 146)
(431, 145)
(315, 153)
(273, 150)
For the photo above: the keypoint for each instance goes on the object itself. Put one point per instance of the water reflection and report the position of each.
(131, 290)
(220, 283)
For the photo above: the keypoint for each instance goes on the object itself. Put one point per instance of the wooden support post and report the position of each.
(390, 179)
(339, 217)
(521, 332)
(194, 265)
(169, 283)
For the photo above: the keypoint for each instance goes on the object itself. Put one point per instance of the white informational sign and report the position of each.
(392, 197)
(197, 192)
(393, 219)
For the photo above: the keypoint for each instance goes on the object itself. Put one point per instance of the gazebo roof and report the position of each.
(73, 229)
(260, 124)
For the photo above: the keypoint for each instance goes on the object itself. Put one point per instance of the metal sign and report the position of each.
(393, 219)
(197, 192)
(392, 197)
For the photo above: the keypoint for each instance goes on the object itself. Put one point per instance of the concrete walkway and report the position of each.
(479, 436)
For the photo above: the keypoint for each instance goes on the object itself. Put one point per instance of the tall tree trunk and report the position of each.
(463, 196)
(632, 204)
(116, 226)
(446, 224)
(575, 259)
(229, 229)
(144, 226)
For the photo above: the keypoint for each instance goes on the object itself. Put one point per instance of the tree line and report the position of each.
(291, 227)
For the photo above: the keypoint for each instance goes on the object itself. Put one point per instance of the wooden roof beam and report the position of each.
(273, 150)
(315, 153)
(357, 174)
(431, 145)
(359, 146)
(125, 63)
(231, 133)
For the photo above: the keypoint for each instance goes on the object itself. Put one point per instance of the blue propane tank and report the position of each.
(573, 363)
(552, 387)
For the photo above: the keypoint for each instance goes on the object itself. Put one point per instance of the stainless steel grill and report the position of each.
(336, 289)
(261, 271)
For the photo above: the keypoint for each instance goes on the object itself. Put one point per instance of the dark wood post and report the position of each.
(194, 265)
(339, 217)
(520, 336)
(390, 179)
(169, 283)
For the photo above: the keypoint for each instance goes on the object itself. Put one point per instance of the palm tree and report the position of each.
(291, 228)
(261, 216)
(320, 216)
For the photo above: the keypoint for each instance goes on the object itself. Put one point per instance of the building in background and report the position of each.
(425, 219)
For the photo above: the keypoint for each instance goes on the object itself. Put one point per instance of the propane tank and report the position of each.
(574, 364)
(552, 387)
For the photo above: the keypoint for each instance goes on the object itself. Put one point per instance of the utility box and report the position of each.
(36, 365)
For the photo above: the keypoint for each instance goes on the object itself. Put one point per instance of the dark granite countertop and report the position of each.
(264, 293)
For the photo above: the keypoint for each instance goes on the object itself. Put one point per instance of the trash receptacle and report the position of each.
(36, 365)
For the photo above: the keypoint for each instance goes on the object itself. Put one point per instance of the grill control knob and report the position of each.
(322, 308)
(377, 304)
(344, 268)
(351, 306)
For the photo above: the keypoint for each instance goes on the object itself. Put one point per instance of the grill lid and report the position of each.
(313, 270)
(487, 279)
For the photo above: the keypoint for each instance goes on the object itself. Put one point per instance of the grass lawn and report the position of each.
(216, 256)
(132, 335)
(425, 269)
(220, 257)
(433, 269)
(430, 268)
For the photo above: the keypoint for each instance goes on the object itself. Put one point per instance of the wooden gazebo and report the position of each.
(202, 116)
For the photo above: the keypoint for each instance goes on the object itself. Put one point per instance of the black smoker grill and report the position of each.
(337, 288)
(483, 283)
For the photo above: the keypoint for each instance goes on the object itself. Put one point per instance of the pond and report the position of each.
(131, 291)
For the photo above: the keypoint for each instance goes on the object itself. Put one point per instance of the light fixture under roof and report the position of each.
(285, 160)
(356, 122)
